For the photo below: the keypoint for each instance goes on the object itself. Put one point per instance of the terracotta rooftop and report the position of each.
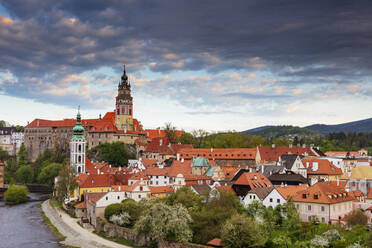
(161, 189)
(316, 166)
(253, 179)
(158, 133)
(216, 242)
(290, 191)
(272, 154)
(323, 192)
(219, 153)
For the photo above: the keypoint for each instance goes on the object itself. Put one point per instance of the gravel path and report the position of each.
(75, 234)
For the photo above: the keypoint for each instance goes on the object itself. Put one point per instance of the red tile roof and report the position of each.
(179, 167)
(253, 179)
(158, 133)
(323, 192)
(290, 191)
(148, 162)
(215, 242)
(219, 153)
(81, 205)
(325, 167)
(272, 154)
(369, 194)
(94, 197)
(159, 145)
(161, 189)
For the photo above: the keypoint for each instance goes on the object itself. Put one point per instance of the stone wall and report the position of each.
(115, 231)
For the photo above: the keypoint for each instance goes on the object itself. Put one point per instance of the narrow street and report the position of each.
(75, 234)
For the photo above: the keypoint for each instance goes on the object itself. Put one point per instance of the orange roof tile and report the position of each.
(215, 242)
(158, 133)
(323, 192)
(219, 153)
(272, 154)
(81, 205)
(325, 167)
(253, 179)
(161, 189)
(369, 194)
(290, 191)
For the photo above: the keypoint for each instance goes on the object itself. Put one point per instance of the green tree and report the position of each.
(256, 209)
(291, 219)
(163, 222)
(25, 174)
(22, 155)
(356, 217)
(16, 194)
(3, 155)
(3, 123)
(282, 240)
(112, 209)
(186, 197)
(241, 231)
(133, 209)
(170, 132)
(66, 183)
(48, 173)
(113, 153)
(368, 240)
(186, 138)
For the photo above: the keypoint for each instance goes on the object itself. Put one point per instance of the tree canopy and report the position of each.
(114, 153)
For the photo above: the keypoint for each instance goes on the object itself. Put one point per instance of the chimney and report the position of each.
(98, 171)
(211, 149)
(119, 188)
(262, 169)
(110, 165)
(290, 145)
(161, 142)
(273, 145)
(338, 182)
(182, 160)
(100, 116)
(178, 157)
(303, 145)
(159, 130)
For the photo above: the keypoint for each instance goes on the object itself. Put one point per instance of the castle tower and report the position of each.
(77, 146)
(124, 105)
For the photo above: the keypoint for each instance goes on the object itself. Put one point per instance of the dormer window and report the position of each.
(316, 197)
(304, 196)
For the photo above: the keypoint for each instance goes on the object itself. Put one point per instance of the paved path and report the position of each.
(75, 234)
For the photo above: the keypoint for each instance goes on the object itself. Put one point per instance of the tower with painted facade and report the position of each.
(77, 146)
(124, 105)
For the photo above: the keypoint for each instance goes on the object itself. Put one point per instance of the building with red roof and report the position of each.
(119, 125)
(271, 154)
(248, 181)
(243, 157)
(321, 170)
(323, 201)
(159, 133)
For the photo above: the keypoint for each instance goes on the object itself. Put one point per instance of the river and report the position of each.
(23, 226)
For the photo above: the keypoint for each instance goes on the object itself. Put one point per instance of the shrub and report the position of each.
(25, 174)
(122, 219)
(16, 194)
(241, 231)
(356, 217)
(163, 222)
(112, 209)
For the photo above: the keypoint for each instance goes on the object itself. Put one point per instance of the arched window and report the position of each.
(79, 169)
(79, 159)
(79, 148)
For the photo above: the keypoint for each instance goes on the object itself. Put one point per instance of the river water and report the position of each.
(23, 226)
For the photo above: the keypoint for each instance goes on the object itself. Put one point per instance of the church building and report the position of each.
(118, 125)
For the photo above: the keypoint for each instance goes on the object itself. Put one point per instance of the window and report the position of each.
(118, 197)
(106, 198)
(277, 200)
(250, 197)
(323, 208)
(271, 199)
(309, 207)
(157, 183)
(298, 206)
(139, 196)
(323, 219)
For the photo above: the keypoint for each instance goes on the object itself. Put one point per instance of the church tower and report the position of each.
(77, 146)
(124, 105)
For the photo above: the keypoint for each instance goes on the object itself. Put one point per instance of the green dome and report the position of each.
(201, 162)
(78, 128)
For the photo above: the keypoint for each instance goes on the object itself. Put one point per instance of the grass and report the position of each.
(121, 241)
(51, 226)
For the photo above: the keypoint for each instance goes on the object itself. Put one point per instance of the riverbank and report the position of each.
(76, 236)
(23, 226)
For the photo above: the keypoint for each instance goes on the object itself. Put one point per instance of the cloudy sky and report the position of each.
(216, 65)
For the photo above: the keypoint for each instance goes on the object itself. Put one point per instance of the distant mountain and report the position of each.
(281, 131)
(361, 126)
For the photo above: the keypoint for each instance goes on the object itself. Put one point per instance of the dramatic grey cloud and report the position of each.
(266, 52)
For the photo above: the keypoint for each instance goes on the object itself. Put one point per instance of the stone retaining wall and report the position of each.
(115, 231)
